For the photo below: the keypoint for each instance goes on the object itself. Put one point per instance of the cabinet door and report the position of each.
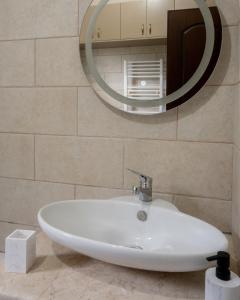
(186, 36)
(108, 23)
(157, 12)
(133, 19)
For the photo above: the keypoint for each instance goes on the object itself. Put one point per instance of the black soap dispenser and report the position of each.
(220, 282)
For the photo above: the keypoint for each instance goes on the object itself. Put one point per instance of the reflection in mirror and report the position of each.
(146, 49)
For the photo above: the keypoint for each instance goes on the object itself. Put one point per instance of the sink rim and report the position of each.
(140, 252)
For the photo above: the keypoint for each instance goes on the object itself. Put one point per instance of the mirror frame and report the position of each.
(119, 101)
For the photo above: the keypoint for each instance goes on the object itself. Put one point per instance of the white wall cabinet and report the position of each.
(157, 11)
(145, 18)
(108, 23)
(134, 19)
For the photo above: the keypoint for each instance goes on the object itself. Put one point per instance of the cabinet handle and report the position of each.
(142, 29)
(150, 29)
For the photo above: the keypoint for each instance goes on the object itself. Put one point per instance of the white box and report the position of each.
(20, 251)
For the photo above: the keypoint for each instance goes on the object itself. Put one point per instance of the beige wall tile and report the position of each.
(236, 194)
(38, 110)
(17, 156)
(47, 247)
(234, 262)
(236, 173)
(237, 118)
(17, 63)
(236, 247)
(148, 49)
(115, 80)
(20, 200)
(111, 51)
(215, 212)
(185, 168)
(34, 18)
(208, 116)
(195, 169)
(108, 64)
(140, 56)
(161, 196)
(91, 192)
(80, 160)
(106, 121)
(226, 71)
(229, 10)
(58, 63)
(8, 228)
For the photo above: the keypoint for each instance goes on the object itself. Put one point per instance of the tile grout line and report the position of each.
(123, 164)
(177, 124)
(46, 181)
(73, 36)
(34, 157)
(43, 38)
(78, 13)
(89, 85)
(237, 147)
(231, 182)
(77, 114)
(132, 139)
(174, 199)
(75, 191)
(115, 188)
(35, 62)
(175, 195)
(16, 223)
(43, 86)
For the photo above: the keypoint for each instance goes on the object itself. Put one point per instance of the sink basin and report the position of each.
(109, 230)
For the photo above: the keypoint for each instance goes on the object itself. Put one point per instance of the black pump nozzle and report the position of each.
(223, 264)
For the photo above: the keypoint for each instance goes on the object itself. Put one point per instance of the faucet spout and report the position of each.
(144, 190)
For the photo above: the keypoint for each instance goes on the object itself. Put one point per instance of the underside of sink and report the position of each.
(109, 230)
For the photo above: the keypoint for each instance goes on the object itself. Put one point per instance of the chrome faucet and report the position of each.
(144, 190)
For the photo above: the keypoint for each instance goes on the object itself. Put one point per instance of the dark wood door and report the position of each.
(185, 48)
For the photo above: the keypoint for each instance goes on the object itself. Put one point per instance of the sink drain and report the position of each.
(142, 215)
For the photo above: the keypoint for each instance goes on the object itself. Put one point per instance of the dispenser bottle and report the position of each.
(220, 282)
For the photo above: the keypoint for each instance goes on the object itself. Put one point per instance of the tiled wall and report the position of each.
(236, 170)
(110, 62)
(60, 141)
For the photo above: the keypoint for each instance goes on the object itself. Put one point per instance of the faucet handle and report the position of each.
(146, 181)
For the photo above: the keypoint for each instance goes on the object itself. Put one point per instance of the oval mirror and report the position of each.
(149, 56)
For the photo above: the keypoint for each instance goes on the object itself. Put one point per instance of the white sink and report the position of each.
(109, 230)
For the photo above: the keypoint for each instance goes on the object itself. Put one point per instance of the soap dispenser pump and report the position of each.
(220, 282)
